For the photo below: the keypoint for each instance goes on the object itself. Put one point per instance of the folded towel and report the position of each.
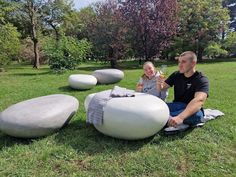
(95, 107)
(121, 92)
(99, 101)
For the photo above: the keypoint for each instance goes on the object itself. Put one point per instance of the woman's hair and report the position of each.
(147, 63)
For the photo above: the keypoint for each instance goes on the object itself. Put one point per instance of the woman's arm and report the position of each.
(139, 86)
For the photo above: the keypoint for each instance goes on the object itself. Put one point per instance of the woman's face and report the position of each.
(149, 70)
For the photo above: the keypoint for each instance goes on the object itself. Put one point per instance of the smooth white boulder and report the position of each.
(108, 76)
(132, 118)
(38, 116)
(82, 81)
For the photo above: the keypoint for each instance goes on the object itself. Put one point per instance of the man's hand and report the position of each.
(160, 82)
(193, 106)
(175, 121)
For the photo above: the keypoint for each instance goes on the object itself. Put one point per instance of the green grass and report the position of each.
(80, 150)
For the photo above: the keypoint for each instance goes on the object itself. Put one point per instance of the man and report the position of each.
(190, 92)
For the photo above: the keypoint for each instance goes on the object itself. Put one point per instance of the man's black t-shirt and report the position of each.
(185, 87)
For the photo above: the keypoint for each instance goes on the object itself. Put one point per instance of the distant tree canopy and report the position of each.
(107, 32)
(53, 14)
(141, 28)
(5, 8)
(201, 22)
(112, 30)
(151, 25)
(231, 5)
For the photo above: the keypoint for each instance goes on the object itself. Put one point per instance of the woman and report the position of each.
(147, 82)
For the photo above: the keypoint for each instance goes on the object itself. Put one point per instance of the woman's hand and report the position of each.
(139, 87)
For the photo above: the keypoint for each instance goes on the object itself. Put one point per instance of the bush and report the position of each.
(9, 43)
(230, 42)
(67, 53)
(215, 50)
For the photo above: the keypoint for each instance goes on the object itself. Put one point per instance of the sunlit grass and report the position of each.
(80, 150)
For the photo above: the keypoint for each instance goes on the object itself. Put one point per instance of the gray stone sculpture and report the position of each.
(82, 81)
(108, 76)
(38, 116)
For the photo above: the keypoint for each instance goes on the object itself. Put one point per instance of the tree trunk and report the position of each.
(111, 57)
(200, 53)
(56, 33)
(223, 35)
(33, 22)
(140, 61)
(36, 54)
(113, 63)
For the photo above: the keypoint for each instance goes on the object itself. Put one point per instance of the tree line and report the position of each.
(54, 32)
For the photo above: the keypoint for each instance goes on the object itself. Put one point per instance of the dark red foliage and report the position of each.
(108, 32)
(151, 24)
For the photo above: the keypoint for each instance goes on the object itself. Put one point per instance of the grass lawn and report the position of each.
(80, 150)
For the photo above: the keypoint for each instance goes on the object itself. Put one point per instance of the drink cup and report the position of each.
(163, 71)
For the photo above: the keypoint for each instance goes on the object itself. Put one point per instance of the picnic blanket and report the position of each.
(210, 114)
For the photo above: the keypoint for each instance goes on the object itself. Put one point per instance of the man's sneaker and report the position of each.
(175, 130)
(198, 125)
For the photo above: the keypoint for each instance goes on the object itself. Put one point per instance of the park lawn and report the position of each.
(80, 150)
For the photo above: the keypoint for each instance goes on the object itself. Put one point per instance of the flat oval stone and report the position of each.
(108, 76)
(38, 116)
(82, 81)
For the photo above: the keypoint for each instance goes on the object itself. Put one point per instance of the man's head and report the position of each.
(187, 62)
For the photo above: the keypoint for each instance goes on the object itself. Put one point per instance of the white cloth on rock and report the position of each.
(99, 101)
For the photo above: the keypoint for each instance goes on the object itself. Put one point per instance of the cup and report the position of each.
(163, 71)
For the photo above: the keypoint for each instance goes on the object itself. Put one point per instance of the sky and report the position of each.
(83, 3)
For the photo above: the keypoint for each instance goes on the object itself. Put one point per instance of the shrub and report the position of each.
(215, 50)
(67, 53)
(230, 42)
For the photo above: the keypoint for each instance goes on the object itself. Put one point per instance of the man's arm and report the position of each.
(194, 105)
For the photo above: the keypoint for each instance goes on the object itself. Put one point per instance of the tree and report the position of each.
(151, 24)
(9, 43)
(28, 12)
(230, 42)
(107, 32)
(54, 12)
(5, 7)
(201, 22)
(231, 5)
(73, 24)
(86, 17)
(32, 8)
